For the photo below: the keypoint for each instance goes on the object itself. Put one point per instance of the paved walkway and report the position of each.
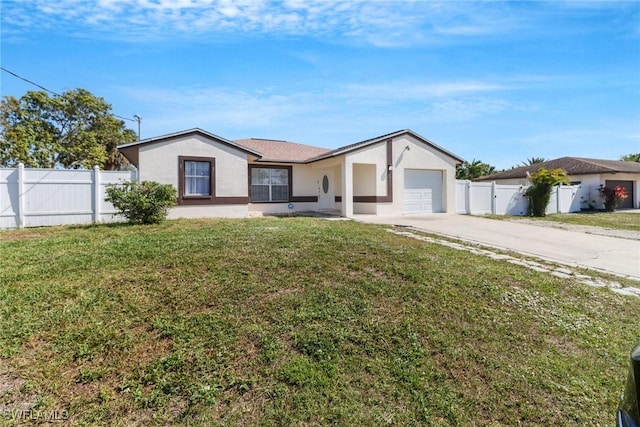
(577, 249)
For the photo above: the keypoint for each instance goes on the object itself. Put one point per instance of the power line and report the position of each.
(57, 94)
(28, 81)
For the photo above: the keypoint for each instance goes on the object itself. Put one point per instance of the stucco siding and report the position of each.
(362, 161)
(209, 211)
(159, 162)
(365, 180)
(366, 169)
(280, 208)
(421, 156)
(304, 181)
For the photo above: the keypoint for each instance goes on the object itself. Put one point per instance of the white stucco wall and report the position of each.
(208, 211)
(257, 209)
(159, 162)
(423, 156)
(418, 156)
(363, 161)
(365, 179)
(304, 181)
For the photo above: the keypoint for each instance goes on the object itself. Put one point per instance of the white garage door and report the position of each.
(422, 191)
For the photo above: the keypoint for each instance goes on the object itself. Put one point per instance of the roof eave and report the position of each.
(359, 145)
(187, 132)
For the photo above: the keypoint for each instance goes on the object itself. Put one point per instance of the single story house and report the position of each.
(588, 174)
(398, 173)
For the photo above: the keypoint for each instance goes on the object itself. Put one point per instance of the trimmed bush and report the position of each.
(142, 203)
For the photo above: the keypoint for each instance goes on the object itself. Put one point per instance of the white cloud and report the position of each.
(382, 23)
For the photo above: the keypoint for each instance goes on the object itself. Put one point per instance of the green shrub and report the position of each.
(542, 183)
(142, 203)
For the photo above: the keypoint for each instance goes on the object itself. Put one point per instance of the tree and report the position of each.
(542, 183)
(631, 157)
(73, 130)
(472, 170)
(533, 160)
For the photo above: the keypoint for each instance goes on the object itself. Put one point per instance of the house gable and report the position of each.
(165, 160)
(131, 150)
(390, 136)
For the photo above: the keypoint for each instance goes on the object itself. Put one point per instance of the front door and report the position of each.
(326, 190)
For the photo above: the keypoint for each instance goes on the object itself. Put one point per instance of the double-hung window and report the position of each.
(196, 180)
(270, 184)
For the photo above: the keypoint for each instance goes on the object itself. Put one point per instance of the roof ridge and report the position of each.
(267, 139)
(281, 140)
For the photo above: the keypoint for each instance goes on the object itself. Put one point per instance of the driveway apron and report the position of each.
(609, 254)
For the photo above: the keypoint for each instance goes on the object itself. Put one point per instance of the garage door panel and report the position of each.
(422, 191)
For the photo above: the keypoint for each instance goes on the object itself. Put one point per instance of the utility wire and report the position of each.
(52, 92)
(29, 81)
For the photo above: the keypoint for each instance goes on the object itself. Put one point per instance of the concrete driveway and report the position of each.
(609, 254)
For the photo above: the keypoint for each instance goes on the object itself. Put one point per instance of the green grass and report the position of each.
(298, 321)
(617, 220)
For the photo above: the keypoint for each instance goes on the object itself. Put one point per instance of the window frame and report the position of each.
(196, 199)
(289, 182)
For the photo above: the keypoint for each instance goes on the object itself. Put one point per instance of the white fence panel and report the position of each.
(462, 199)
(44, 197)
(482, 198)
(570, 200)
(57, 197)
(106, 209)
(552, 206)
(510, 200)
(8, 198)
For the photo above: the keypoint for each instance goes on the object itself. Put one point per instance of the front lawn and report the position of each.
(298, 321)
(616, 220)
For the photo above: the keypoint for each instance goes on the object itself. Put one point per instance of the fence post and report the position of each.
(96, 194)
(468, 197)
(494, 202)
(21, 212)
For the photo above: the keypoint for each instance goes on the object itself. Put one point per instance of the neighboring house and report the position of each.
(589, 174)
(397, 173)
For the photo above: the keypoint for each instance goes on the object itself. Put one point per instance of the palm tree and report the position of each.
(631, 158)
(473, 170)
(533, 160)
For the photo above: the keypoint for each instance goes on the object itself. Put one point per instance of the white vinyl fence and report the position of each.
(41, 197)
(481, 198)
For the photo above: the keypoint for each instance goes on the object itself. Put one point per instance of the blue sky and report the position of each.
(494, 81)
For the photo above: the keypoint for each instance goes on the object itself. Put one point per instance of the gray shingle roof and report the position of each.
(572, 165)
